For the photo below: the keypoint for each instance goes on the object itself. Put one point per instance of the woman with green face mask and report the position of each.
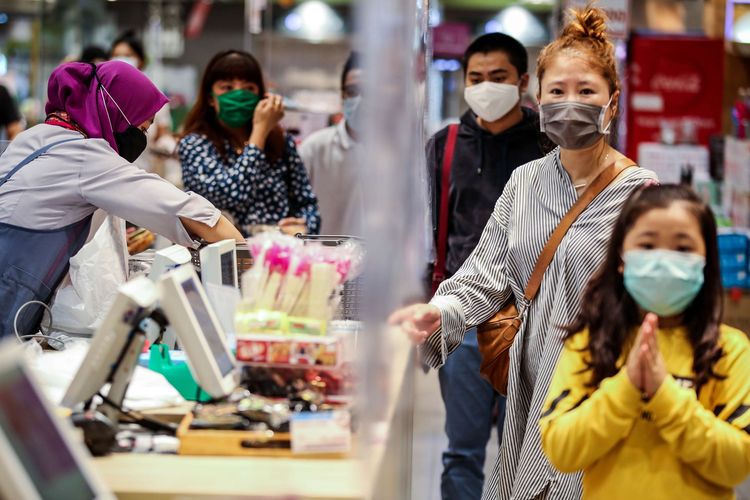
(235, 153)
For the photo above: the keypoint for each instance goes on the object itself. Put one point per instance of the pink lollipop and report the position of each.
(303, 268)
(342, 268)
(278, 259)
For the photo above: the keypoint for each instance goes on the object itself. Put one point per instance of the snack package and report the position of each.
(291, 351)
(252, 321)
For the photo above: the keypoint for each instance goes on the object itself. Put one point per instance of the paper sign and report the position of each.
(321, 432)
(668, 161)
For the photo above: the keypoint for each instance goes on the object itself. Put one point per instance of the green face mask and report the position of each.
(237, 107)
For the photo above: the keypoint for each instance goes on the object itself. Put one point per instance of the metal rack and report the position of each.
(352, 291)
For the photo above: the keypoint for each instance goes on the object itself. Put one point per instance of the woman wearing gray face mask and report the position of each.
(578, 92)
(578, 102)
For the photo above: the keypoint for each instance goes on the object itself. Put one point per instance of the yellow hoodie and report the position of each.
(675, 446)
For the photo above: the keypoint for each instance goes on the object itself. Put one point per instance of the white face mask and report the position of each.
(491, 101)
(126, 59)
(352, 114)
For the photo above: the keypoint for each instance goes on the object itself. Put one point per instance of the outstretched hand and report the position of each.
(419, 321)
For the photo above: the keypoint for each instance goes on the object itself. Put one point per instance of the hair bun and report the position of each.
(588, 22)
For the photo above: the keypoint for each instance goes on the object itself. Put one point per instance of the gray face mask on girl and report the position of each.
(574, 125)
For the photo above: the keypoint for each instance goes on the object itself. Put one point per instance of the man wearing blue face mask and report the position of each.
(330, 156)
(471, 162)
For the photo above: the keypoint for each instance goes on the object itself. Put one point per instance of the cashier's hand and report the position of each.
(293, 226)
(419, 321)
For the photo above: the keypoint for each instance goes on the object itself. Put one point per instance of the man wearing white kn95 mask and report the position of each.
(471, 162)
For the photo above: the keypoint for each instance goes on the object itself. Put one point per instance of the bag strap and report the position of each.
(442, 241)
(601, 182)
(33, 156)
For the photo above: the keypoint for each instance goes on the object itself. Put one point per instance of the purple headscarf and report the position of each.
(73, 88)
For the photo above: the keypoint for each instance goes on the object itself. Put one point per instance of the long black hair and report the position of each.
(130, 39)
(610, 313)
(202, 117)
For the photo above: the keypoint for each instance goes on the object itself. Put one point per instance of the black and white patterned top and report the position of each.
(532, 204)
(247, 185)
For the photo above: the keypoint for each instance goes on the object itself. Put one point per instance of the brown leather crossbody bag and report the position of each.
(495, 336)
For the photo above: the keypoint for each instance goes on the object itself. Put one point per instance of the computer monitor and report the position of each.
(188, 310)
(167, 259)
(135, 300)
(38, 458)
(219, 264)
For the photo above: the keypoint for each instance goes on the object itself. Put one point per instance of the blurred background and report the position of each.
(685, 110)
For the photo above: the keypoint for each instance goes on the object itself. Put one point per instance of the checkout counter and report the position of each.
(379, 466)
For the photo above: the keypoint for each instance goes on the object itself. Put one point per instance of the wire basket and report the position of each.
(351, 293)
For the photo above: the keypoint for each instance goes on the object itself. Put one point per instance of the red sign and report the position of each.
(675, 87)
(197, 18)
(451, 39)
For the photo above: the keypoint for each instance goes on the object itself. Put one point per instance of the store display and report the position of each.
(736, 196)
(334, 385)
(741, 114)
(297, 279)
(289, 351)
(734, 255)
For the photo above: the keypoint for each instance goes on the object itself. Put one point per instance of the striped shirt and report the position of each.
(534, 201)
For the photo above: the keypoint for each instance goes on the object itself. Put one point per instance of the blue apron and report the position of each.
(33, 263)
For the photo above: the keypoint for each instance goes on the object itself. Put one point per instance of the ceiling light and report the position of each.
(742, 29)
(519, 23)
(313, 20)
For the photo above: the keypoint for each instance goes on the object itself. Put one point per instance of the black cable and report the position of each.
(211, 401)
(136, 330)
(141, 419)
(158, 317)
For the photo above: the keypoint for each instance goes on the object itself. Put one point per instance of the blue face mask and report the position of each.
(663, 282)
(352, 114)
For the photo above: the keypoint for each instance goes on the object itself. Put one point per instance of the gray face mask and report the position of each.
(573, 125)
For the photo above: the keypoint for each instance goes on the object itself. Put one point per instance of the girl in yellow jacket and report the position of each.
(651, 394)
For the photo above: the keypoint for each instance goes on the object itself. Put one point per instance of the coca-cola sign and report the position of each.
(674, 84)
(686, 84)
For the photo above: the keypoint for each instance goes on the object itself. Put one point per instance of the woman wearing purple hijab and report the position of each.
(56, 174)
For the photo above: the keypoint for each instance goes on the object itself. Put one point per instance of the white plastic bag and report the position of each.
(96, 272)
(56, 370)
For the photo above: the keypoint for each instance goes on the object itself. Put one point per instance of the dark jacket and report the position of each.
(482, 164)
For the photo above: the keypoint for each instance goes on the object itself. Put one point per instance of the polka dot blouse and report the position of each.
(247, 185)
